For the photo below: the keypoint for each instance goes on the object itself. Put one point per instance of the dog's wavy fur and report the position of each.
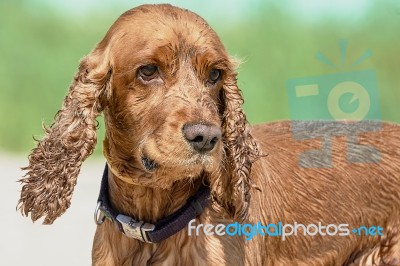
(253, 172)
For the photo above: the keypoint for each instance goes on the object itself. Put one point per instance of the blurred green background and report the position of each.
(42, 41)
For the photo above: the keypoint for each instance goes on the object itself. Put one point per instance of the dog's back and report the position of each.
(338, 178)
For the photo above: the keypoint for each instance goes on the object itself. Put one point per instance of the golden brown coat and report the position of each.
(253, 172)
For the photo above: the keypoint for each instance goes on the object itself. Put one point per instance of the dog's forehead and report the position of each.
(159, 29)
(157, 21)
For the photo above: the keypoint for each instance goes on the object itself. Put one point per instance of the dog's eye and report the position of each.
(148, 72)
(214, 75)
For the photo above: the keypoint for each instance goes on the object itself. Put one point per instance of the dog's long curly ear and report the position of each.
(55, 163)
(241, 151)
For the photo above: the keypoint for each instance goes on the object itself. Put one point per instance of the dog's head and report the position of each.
(172, 109)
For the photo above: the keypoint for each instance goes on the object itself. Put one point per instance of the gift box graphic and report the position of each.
(321, 108)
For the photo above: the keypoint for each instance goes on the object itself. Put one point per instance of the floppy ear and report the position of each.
(232, 190)
(55, 163)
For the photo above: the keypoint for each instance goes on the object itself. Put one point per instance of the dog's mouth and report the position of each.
(149, 164)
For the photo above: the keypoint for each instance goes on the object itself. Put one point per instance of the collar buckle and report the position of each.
(135, 229)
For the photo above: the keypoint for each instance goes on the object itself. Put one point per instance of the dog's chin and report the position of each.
(179, 168)
(148, 164)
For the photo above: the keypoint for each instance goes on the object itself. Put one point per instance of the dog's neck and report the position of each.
(149, 204)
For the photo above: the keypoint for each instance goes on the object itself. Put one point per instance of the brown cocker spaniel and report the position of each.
(178, 146)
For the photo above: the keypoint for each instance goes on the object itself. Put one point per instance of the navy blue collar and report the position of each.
(146, 232)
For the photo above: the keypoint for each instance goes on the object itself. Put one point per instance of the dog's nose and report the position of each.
(202, 137)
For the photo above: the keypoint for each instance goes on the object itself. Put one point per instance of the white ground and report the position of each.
(66, 242)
